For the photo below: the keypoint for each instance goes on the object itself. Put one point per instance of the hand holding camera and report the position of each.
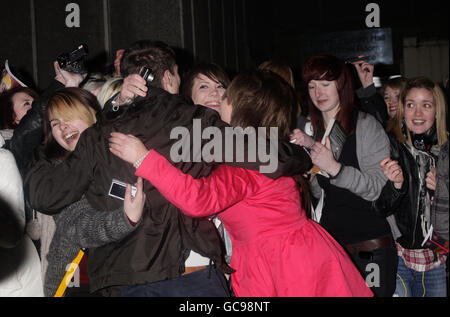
(135, 85)
(134, 205)
(75, 61)
(66, 78)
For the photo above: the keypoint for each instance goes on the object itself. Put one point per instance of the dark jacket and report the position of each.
(404, 204)
(372, 102)
(29, 134)
(157, 249)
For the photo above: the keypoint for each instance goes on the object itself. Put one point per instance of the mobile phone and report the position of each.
(147, 74)
(118, 188)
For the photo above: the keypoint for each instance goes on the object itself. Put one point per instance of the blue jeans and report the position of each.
(208, 282)
(411, 283)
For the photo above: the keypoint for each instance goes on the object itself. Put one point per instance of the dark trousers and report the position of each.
(208, 282)
(379, 269)
(81, 291)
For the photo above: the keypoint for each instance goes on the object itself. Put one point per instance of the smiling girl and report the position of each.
(205, 84)
(422, 111)
(277, 250)
(69, 112)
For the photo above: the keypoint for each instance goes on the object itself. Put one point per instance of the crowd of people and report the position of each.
(357, 205)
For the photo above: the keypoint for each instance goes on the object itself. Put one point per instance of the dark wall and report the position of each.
(199, 30)
(215, 30)
(237, 34)
(15, 37)
(53, 37)
(277, 27)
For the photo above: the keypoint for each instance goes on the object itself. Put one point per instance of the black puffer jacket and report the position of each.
(157, 249)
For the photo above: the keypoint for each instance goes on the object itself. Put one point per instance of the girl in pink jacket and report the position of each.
(277, 250)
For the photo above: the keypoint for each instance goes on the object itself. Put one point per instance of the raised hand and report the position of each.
(117, 60)
(365, 72)
(66, 78)
(133, 86)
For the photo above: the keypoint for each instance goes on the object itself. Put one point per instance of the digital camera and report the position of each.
(118, 189)
(75, 61)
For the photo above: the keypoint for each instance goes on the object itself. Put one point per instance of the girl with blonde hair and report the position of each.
(418, 132)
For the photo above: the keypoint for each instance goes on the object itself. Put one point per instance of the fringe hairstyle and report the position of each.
(395, 124)
(330, 68)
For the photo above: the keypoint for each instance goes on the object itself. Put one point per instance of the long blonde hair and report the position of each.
(109, 89)
(395, 124)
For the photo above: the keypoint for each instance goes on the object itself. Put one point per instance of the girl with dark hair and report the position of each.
(354, 177)
(14, 104)
(205, 84)
(277, 250)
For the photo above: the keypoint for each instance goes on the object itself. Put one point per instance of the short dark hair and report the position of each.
(7, 114)
(156, 55)
(210, 70)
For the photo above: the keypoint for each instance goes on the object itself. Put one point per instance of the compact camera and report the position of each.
(75, 61)
(118, 188)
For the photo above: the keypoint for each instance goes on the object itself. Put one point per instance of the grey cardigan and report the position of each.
(372, 146)
(80, 226)
(439, 209)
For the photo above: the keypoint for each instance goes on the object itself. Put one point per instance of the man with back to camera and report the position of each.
(150, 261)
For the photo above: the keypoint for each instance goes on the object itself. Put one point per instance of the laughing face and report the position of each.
(67, 132)
(207, 92)
(420, 110)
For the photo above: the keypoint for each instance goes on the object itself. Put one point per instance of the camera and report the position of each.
(147, 74)
(118, 188)
(75, 61)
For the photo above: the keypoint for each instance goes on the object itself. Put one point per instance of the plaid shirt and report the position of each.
(420, 260)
